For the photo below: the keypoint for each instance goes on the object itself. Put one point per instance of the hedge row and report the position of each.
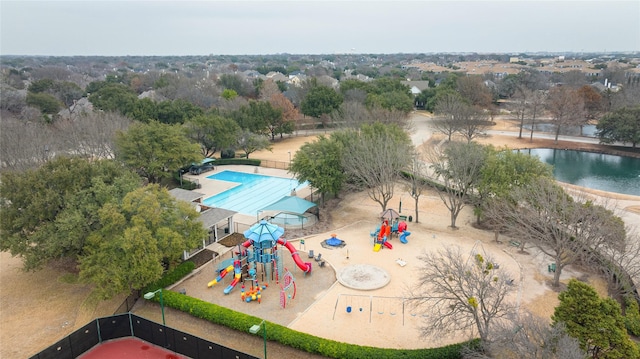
(172, 276)
(298, 340)
(283, 335)
(237, 161)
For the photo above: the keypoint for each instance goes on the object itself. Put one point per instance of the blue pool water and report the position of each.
(253, 192)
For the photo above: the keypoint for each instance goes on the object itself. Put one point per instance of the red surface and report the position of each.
(129, 348)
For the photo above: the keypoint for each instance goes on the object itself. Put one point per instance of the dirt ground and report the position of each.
(39, 308)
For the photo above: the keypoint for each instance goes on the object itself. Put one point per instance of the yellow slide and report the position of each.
(376, 247)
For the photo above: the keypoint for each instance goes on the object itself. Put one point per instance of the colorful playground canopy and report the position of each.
(264, 231)
(290, 204)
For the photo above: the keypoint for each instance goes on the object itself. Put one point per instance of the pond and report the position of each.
(599, 171)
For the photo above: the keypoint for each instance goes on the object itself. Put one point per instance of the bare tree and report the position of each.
(351, 114)
(449, 109)
(415, 183)
(11, 99)
(25, 145)
(356, 95)
(621, 265)
(574, 78)
(521, 96)
(535, 106)
(268, 89)
(457, 167)
(566, 107)
(93, 134)
(461, 291)
(473, 123)
(373, 162)
(391, 117)
(527, 336)
(565, 228)
(473, 89)
(57, 73)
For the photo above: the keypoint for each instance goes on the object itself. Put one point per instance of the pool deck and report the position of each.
(211, 187)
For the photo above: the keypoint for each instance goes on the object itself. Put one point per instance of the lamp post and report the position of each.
(289, 158)
(255, 329)
(153, 294)
(400, 207)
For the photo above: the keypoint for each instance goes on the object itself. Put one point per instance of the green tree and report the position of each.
(235, 83)
(228, 94)
(115, 98)
(257, 117)
(68, 92)
(621, 125)
(320, 100)
(251, 142)
(352, 84)
(213, 133)
(48, 213)
(143, 110)
(596, 322)
(177, 111)
(46, 103)
(320, 163)
(391, 101)
(504, 170)
(138, 237)
(39, 86)
(155, 150)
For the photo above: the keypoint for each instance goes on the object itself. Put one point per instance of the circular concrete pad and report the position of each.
(363, 277)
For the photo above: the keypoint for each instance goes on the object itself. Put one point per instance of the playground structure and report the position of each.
(381, 236)
(402, 232)
(260, 250)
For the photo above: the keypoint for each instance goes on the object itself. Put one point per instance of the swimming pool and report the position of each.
(253, 192)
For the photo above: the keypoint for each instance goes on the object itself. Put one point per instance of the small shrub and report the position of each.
(68, 278)
(228, 153)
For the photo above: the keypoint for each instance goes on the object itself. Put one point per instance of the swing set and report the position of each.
(355, 303)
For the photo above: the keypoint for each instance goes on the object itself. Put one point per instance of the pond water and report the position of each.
(593, 170)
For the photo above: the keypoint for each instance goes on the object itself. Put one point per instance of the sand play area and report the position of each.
(357, 297)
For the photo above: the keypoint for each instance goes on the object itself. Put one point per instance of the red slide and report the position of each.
(306, 267)
(388, 245)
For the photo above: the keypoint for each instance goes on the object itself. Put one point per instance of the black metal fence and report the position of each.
(128, 303)
(131, 325)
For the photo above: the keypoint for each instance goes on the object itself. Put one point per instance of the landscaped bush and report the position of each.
(186, 184)
(172, 276)
(227, 153)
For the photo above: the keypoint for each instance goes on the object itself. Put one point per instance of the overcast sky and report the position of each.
(315, 27)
